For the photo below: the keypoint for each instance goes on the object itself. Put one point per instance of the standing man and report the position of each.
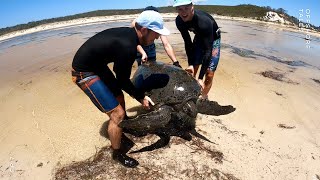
(91, 73)
(205, 47)
(149, 52)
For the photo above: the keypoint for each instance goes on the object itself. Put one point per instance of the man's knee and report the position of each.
(209, 75)
(117, 115)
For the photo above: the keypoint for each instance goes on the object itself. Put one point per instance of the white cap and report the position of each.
(152, 20)
(181, 2)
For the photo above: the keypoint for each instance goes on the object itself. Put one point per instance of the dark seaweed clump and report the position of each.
(273, 75)
(277, 76)
(285, 126)
(316, 80)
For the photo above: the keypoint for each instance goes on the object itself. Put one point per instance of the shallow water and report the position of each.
(84, 31)
(271, 42)
(244, 38)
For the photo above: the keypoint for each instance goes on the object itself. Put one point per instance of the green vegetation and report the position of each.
(244, 10)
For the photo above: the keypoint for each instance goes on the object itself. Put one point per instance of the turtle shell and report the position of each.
(165, 83)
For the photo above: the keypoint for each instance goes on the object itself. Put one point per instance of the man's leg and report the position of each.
(104, 100)
(116, 116)
(196, 67)
(207, 83)
(115, 134)
(212, 68)
(197, 59)
(114, 131)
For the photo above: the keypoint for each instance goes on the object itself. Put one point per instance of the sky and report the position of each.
(14, 12)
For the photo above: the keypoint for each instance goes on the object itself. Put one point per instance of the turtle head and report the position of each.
(185, 116)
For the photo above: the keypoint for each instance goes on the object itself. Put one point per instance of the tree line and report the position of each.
(243, 10)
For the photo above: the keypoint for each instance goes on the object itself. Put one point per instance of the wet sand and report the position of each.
(48, 123)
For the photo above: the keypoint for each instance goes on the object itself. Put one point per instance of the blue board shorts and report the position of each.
(214, 58)
(102, 93)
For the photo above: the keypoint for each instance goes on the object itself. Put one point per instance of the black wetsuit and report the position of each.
(206, 31)
(117, 45)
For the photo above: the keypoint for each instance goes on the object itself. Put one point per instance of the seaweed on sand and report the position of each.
(285, 126)
(277, 76)
(316, 80)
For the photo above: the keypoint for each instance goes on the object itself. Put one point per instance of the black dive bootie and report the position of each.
(124, 159)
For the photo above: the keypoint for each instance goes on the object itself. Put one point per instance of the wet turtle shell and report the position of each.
(166, 84)
(175, 94)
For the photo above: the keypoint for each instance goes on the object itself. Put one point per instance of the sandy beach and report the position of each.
(49, 129)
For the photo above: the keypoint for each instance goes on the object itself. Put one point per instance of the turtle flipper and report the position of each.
(148, 122)
(204, 106)
(126, 143)
(162, 142)
(198, 135)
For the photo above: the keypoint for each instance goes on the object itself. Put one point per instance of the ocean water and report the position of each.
(244, 38)
(85, 32)
(272, 43)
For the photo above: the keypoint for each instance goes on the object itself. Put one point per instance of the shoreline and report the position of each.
(49, 124)
(119, 18)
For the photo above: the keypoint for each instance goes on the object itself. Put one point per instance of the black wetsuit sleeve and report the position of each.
(187, 39)
(207, 37)
(122, 69)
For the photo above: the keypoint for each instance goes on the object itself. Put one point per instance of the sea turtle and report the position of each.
(175, 94)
